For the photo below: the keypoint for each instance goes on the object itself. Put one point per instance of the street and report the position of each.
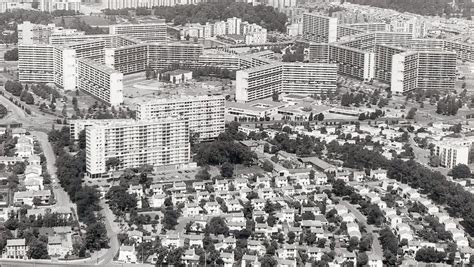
(376, 247)
(38, 125)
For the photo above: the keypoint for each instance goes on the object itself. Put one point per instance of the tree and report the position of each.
(203, 174)
(96, 236)
(170, 219)
(291, 237)
(460, 171)
(322, 242)
(112, 163)
(267, 166)
(362, 117)
(275, 96)
(11, 55)
(365, 243)
(429, 254)
(36, 201)
(310, 238)
(268, 261)
(320, 117)
(435, 161)
(217, 226)
(353, 243)
(120, 200)
(411, 113)
(362, 259)
(38, 250)
(227, 170)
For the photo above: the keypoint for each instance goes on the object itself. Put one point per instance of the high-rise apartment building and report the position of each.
(353, 62)
(136, 143)
(204, 113)
(29, 33)
(162, 55)
(318, 53)
(154, 32)
(289, 78)
(258, 82)
(308, 78)
(36, 63)
(120, 4)
(427, 70)
(452, 153)
(100, 81)
(318, 28)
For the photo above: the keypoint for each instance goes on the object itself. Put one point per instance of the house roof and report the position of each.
(16, 242)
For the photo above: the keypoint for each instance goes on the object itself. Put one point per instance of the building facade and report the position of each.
(204, 113)
(136, 143)
(154, 32)
(318, 28)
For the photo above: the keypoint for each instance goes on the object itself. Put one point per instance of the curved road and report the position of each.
(39, 125)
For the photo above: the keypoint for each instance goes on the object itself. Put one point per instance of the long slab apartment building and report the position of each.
(135, 143)
(367, 51)
(73, 60)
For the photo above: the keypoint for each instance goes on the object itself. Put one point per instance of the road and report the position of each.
(376, 247)
(38, 125)
(47, 263)
(61, 197)
(112, 230)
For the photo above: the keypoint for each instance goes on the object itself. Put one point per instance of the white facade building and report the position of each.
(135, 143)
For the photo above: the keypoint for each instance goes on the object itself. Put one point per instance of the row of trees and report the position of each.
(448, 106)
(3, 111)
(44, 91)
(459, 202)
(70, 172)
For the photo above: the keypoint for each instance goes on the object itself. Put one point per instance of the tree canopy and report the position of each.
(265, 16)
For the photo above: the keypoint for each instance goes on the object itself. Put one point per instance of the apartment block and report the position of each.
(383, 61)
(127, 59)
(318, 53)
(163, 55)
(370, 27)
(205, 114)
(258, 82)
(155, 32)
(100, 81)
(52, 5)
(110, 40)
(427, 70)
(452, 154)
(77, 126)
(36, 63)
(136, 143)
(64, 69)
(404, 72)
(120, 4)
(30, 33)
(346, 30)
(318, 28)
(289, 78)
(308, 78)
(353, 62)
(221, 59)
(233, 25)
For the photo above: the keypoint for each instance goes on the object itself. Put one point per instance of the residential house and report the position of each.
(127, 254)
(16, 249)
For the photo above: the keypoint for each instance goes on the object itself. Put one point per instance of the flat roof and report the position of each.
(257, 105)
